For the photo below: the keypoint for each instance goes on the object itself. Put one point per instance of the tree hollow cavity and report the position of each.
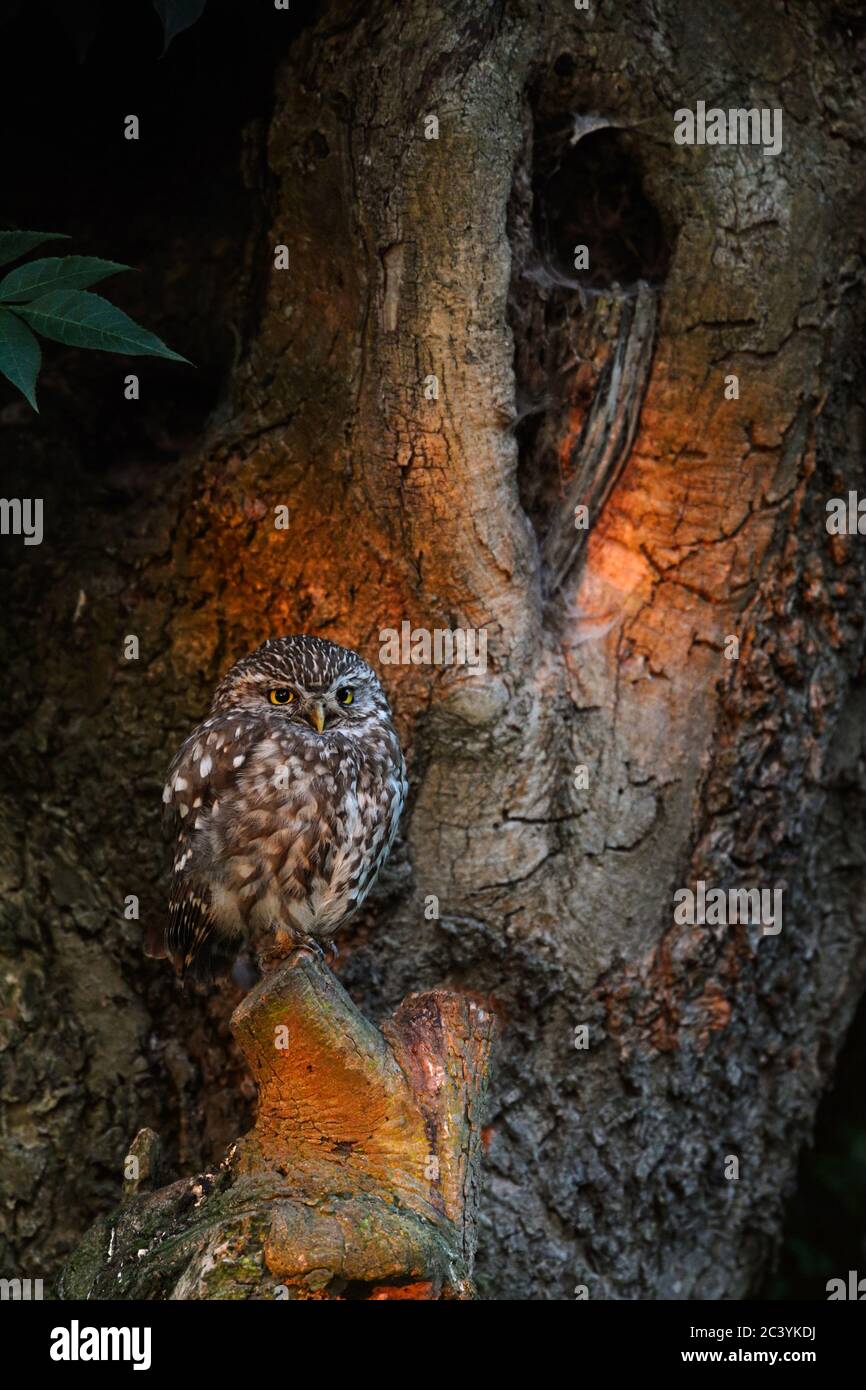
(589, 192)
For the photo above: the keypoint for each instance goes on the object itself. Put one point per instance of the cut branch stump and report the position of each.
(359, 1179)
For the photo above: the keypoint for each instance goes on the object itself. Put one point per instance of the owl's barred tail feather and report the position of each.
(200, 960)
(213, 959)
(197, 949)
(154, 942)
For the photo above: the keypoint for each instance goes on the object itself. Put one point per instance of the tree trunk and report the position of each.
(432, 388)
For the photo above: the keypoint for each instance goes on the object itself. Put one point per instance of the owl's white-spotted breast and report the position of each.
(282, 805)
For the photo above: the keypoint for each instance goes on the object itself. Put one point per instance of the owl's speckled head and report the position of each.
(306, 680)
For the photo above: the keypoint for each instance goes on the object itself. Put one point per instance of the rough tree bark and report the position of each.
(411, 258)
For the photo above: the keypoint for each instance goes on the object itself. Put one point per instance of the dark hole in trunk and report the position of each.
(591, 194)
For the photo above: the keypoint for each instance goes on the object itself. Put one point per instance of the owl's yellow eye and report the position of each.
(281, 695)
(345, 695)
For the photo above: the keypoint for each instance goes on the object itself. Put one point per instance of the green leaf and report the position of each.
(20, 357)
(35, 278)
(87, 320)
(14, 244)
(177, 15)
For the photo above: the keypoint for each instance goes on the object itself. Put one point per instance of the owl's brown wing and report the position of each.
(204, 770)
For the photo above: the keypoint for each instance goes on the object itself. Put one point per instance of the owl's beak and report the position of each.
(316, 715)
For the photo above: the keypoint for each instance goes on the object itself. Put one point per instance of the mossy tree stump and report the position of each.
(358, 1180)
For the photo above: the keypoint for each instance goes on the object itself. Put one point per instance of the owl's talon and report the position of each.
(309, 943)
(269, 960)
(326, 951)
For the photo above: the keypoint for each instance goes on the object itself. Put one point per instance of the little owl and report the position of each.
(283, 804)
